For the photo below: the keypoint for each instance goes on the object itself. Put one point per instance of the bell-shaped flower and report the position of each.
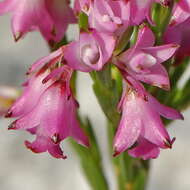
(143, 60)
(53, 118)
(91, 52)
(141, 131)
(50, 17)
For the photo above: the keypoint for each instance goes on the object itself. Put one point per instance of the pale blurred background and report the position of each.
(20, 169)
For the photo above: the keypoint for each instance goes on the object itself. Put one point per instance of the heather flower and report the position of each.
(50, 17)
(51, 115)
(141, 130)
(143, 60)
(91, 52)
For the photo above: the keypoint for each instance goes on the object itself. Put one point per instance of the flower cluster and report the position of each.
(47, 107)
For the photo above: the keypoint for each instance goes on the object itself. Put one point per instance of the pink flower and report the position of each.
(91, 52)
(141, 131)
(143, 61)
(178, 30)
(50, 114)
(109, 16)
(50, 17)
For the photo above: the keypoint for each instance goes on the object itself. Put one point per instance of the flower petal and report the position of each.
(165, 111)
(144, 149)
(157, 76)
(145, 37)
(129, 127)
(162, 53)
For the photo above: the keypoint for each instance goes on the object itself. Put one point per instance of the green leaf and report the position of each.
(90, 159)
(123, 41)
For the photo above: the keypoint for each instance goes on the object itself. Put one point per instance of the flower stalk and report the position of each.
(131, 174)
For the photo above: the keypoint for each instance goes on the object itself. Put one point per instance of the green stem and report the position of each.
(92, 166)
(90, 159)
(131, 173)
(161, 16)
